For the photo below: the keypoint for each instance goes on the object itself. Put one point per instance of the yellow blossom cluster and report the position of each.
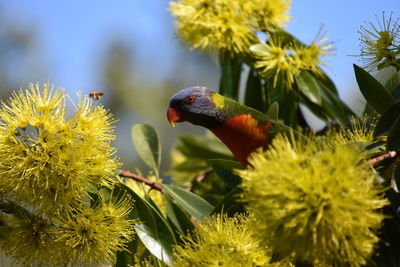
(315, 200)
(226, 25)
(55, 166)
(49, 158)
(283, 61)
(380, 45)
(222, 241)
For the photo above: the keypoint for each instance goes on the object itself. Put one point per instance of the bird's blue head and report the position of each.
(195, 105)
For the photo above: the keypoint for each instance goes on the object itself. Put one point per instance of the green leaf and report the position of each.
(387, 119)
(204, 147)
(152, 243)
(255, 92)
(317, 110)
(153, 230)
(389, 247)
(179, 218)
(126, 257)
(324, 79)
(225, 168)
(259, 48)
(393, 139)
(396, 93)
(191, 165)
(273, 110)
(191, 203)
(145, 139)
(231, 68)
(288, 109)
(309, 86)
(151, 202)
(374, 92)
(334, 106)
(375, 148)
(231, 203)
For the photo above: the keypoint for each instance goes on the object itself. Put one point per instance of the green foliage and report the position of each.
(189, 202)
(149, 149)
(334, 193)
(375, 93)
(153, 230)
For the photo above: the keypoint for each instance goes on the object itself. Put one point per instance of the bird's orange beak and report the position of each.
(174, 115)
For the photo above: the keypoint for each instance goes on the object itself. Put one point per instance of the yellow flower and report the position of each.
(49, 157)
(309, 57)
(32, 240)
(269, 14)
(207, 24)
(359, 132)
(315, 201)
(222, 241)
(93, 235)
(275, 62)
(282, 62)
(226, 25)
(380, 45)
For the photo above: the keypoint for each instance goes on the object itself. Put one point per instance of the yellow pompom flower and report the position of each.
(269, 14)
(314, 201)
(222, 241)
(93, 235)
(32, 240)
(380, 45)
(50, 156)
(309, 57)
(275, 61)
(225, 25)
(209, 24)
(282, 62)
(359, 132)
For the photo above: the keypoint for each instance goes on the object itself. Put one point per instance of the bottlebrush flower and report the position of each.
(315, 201)
(49, 157)
(380, 44)
(94, 234)
(222, 241)
(225, 25)
(282, 62)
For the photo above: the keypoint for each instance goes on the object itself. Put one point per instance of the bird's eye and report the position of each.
(190, 99)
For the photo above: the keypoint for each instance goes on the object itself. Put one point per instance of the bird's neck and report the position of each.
(242, 135)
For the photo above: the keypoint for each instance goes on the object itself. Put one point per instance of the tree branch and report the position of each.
(388, 155)
(141, 179)
(198, 179)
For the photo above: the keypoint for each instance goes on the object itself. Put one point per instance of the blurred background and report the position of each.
(128, 50)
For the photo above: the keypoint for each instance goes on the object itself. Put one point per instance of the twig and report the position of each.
(141, 179)
(388, 155)
(198, 179)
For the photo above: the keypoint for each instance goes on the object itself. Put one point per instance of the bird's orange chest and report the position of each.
(242, 135)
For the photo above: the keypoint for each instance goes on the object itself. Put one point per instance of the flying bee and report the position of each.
(96, 95)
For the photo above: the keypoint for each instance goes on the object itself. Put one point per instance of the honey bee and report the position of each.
(96, 95)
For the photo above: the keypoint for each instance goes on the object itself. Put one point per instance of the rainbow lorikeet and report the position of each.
(242, 129)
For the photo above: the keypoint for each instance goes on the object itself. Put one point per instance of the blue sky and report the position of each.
(73, 33)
